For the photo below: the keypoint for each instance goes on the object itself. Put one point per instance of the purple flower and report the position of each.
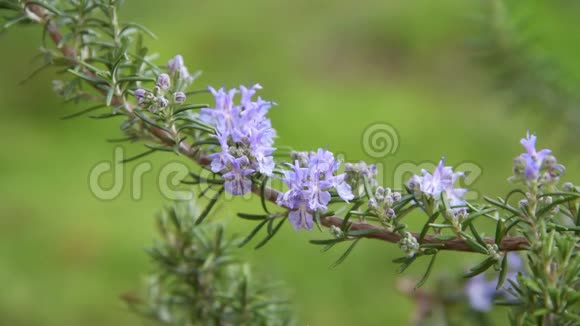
(175, 64)
(319, 197)
(248, 93)
(322, 161)
(177, 67)
(242, 129)
(515, 263)
(536, 166)
(301, 217)
(295, 180)
(441, 181)
(237, 182)
(221, 159)
(529, 144)
(342, 188)
(310, 181)
(455, 195)
(532, 159)
(515, 266)
(224, 102)
(481, 292)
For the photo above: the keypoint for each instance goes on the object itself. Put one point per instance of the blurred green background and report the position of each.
(335, 68)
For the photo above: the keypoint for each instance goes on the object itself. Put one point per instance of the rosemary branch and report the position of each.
(195, 154)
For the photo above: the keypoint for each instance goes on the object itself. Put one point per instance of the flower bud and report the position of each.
(545, 178)
(389, 201)
(519, 166)
(163, 102)
(336, 231)
(179, 97)
(396, 196)
(493, 251)
(163, 82)
(549, 161)
(409, 244)
(140, 93)
(449, 214)
(461, 214)
(380, 193)
(568, 187)
(557, 170)
(414, 185)
(371, 170)
(373, 204)
(519, 161)
(390, 213)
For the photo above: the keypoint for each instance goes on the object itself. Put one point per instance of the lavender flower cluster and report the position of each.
(165, 93)
(536, 166)
(245, 136)
(430, 187)
(310, 180)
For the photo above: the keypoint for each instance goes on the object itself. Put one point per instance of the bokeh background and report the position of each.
(431, 69)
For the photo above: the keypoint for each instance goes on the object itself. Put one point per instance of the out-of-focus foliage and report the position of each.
(523, 68)
(199, 279)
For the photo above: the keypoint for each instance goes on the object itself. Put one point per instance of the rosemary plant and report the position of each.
(198, 278)
(231, 146)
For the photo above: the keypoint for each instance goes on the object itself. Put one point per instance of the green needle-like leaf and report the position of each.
(482, 267)
(346, 253)
(253, 233)
(503, 272)
(271, 233)
(77, 114)
(504, 206)
(209, 206)
(427, 272)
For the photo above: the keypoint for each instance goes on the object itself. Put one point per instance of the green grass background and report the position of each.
(335, 68)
